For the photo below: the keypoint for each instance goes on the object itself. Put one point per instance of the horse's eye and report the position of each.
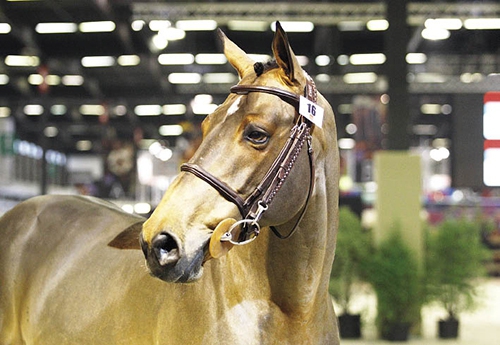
(257, 137)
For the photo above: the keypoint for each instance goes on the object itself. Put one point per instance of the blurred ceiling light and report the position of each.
(157, 25)
(142, 208)
(203, 109)
(360, 78)
(247, 25)
(120, 110)
(377, 25)
(346, 143)
(4, 79)
(53, 80)
(367, 59)
(196, 25)
(98, 61)
(170, 130)
(425, 130)
(137, 25)
(322, 78)
(430, 109)
(184, 78)
(72, 80)
(100, 26)
(33, 109)
(173, 109)
(5, 28)
(219, 78)
(322, 60)
(51, 131)
(351, 128)
(259, 57)
(435, 33)
(84, 145)
(58, 109)
(343, 60)
(303, 60)
(172, 34)
(429, 78)
(159, 42)
(56, 28)
(148, 110)
(444, 23)
(128, 60)
(210, 59)
(4, 111)
(345, 108)
(351, 25)
(92, 109)
(471, 77)
(203, 98)
(35, 79)
(176, 59)
(482, 24)
(416, 58)
(294, 26)
(22, 61)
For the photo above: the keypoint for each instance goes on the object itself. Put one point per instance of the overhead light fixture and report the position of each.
(22, 61)
(51, 131)
(247, 25)
(303, 60)
(5, 28)
(176, 59)
(416, 58)
(346, 143)
(196, 25)
(210, 59)
(351, 25)
(170, 130)
(377, 25)
(322, 60)
(58, 109)
(173, 109)
(482, 24)
(98, 61)
(360, 78)
(437, 29)
(72, 80)
(100, 26)
(148, 110)
(137, 25)
(219, 78)
(38, 79)
(33, 109)
(56, 28)
(322, 78)
(92, 109)
(158, 42)
(128, 60)
(4, 111)
(172, 34)
(184, 78)
(4, 79)
(430, 109)
(203, 109)
(444, 23)
(367, 59)
(429, 78)
(471, 77)
(343, 60)
(157, 24)
(84, 145)
(294, 26)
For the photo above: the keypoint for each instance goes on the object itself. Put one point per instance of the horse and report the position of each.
(238, 251)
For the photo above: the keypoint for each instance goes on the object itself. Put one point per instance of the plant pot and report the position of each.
(397, 331)
(448, 329)
(350, 326)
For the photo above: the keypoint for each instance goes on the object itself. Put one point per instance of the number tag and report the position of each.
(311, 111)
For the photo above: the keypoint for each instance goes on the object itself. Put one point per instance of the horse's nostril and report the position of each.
(165, 248)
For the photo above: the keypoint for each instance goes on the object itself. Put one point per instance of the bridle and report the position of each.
(253, 207)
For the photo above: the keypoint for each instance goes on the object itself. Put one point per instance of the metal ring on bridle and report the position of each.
(228, 235)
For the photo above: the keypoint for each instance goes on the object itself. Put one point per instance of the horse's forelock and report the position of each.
(260, 67)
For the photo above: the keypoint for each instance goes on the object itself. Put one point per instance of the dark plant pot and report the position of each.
(448, 329)
(397, 331)
(350, 326)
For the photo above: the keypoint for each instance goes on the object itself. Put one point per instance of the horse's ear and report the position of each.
(236, 56)
(285, 57)
(128, 238)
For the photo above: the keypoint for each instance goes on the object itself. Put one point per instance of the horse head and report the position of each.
(214, 195)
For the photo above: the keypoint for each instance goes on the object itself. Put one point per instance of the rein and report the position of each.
(253, 207)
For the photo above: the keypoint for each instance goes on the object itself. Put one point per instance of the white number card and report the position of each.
(311, 111)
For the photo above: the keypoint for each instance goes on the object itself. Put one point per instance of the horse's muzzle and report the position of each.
(167, 260)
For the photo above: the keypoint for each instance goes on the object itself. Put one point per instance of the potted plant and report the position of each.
(353, 246)
(454, 260)
(396, 277)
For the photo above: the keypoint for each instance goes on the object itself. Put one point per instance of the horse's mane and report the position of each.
(260, 67)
